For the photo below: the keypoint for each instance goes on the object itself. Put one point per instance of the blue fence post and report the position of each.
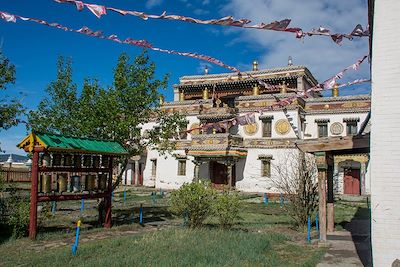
(265, 198)
(141, 214)
(124, 195)
(317, 225)
(82, 204)
(309, 230)
(53, 207)
(75, 245)
(282, 200)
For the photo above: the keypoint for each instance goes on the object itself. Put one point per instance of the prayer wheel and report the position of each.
(90, 182)
(67, 160)
(46, 160)
(75, 183)
(96, 161)
(87, 160)
(62, 182)
(57, 160)
(40, 184)
(77, 161)
(46, 183)
(102, 182)
(104, 161)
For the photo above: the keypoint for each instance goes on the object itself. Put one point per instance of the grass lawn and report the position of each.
(262, 237)
(175, 247)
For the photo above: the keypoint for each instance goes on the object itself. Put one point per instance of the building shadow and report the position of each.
(360, 229)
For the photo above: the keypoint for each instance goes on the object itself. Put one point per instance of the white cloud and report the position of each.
(153, 3)
(199, 11)
(320, 54)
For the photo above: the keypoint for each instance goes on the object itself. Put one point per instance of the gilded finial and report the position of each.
(255, 65)
(256, 89)
(335, 90)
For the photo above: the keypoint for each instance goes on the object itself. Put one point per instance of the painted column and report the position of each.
(336, 181)
(34, 192)
(322, 170)
(136, 179)
(229, 171)
(362, 177)
(196, 171)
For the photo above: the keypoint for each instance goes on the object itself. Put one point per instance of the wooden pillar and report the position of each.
(322, 167)
(34, 193)
(107, 199)
(330, 200)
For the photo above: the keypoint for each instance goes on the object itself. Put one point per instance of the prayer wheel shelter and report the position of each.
(324, 150)
(70, 168)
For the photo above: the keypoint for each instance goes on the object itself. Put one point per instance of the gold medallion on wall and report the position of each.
(336, 128)
(282, 126)
(197, 131)
(251, 129)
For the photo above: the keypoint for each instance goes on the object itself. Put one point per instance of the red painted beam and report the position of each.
(107, 199)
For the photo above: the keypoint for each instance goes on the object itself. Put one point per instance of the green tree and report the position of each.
(10, 109)
(116, 112)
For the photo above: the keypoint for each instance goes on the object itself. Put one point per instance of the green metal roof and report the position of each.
(55, 142)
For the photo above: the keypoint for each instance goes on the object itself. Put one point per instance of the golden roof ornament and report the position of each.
(255, 65)
(205, 93)
(335, 90)
(256, 89)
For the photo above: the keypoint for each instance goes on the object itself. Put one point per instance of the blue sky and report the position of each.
(34, 48)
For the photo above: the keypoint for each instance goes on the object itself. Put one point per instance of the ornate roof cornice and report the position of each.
(262, 97)
(312, 112)
(187, 102)
(336, 99)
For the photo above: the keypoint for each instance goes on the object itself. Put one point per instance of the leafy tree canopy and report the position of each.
(10, 109)
(116, 112)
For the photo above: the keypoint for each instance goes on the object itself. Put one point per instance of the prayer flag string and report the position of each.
(282, 25)
(99, 34)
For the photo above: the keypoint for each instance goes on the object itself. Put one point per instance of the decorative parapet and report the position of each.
(269, 143)
(225, 139)
(336, 105)
(217, 114)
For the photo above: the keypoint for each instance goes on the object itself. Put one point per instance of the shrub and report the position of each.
(19, 218)
(194, 200)
(226, 208)
(14, 211)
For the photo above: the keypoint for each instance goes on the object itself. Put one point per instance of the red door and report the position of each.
(219, 175)
(351, 182)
